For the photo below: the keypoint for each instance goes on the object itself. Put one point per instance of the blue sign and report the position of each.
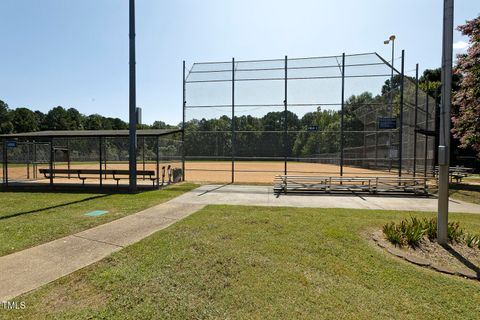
(312, 128)
(11, 144)
(387, 123)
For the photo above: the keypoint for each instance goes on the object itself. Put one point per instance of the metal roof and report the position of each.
(90, 133)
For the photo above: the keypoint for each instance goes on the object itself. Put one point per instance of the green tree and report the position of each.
(5, 118)
(57, 119)
(24, 120)
(94, 122)
(74, 119)
(466, 101)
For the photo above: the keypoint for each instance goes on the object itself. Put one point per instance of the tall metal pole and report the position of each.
(444, 147)
(184, 103)
(342, 138)
(132, 147)
(285, 120)
(400, 131)
(233, 120)
(391, 76)
(415, 124)
(427, 110)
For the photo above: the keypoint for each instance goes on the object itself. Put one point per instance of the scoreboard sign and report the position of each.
(387, 123)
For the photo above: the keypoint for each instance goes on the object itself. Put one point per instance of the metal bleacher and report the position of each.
(327, 184)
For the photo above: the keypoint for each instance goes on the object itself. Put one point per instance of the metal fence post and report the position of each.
(100, 151)
(184, 103)
(400, 133)
(233, 120)
(415, 124)
(5, 164)
(427, 107)
(285, 120)
(342, 119)
(52, 155)
(157, 145)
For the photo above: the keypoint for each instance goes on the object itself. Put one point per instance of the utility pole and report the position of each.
(444, 145)
(132, 146)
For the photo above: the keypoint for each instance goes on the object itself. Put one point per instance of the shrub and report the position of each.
(411, 231)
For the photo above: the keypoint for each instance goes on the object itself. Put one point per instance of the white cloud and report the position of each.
(460, 45)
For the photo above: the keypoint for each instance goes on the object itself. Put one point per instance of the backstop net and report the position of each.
(353, 115)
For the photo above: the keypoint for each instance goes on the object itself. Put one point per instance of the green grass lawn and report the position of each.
(232, 262)
(29, 219)
(465, 192)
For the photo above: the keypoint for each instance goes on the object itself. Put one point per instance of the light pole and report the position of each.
(390, 94)
(132, 146)
(392, 40)
(444, 145)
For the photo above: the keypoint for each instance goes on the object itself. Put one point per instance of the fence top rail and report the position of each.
(373, 54)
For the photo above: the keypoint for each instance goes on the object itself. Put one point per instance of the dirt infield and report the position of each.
(262, 172)
(265, 171)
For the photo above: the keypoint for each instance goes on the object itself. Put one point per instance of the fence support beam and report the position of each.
(157, 146)
(233, 120)
(52, 156)
(184, 103)
(427, 107)
(400, 132)
(285, 120)
(100, 151)
(5, 164)
(415, 124)
(342, 125)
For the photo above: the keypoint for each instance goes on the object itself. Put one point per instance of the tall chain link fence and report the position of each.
(335, 115)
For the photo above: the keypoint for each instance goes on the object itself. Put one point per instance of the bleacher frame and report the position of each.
(373, 185)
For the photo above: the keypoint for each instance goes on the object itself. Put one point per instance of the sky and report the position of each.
(74, 53)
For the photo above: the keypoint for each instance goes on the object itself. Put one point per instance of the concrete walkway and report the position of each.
(29, 269)
(264, 196)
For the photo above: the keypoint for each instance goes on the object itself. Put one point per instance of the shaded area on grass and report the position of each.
(29, 219)
(259, 263)
(56, 206)
(466, 192)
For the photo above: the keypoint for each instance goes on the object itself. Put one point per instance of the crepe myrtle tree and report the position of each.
(466, 100)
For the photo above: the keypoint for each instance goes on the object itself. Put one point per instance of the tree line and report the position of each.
(21, 120)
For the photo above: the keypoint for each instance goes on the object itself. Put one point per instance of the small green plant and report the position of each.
(409, 232)
(393, 234)
(430, 226)
(455, 233)
(414, 232)
(472, 240)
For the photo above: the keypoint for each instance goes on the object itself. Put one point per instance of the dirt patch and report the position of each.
(455, 258)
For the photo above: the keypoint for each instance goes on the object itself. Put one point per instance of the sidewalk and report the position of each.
(29, 269)
(264, 196)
